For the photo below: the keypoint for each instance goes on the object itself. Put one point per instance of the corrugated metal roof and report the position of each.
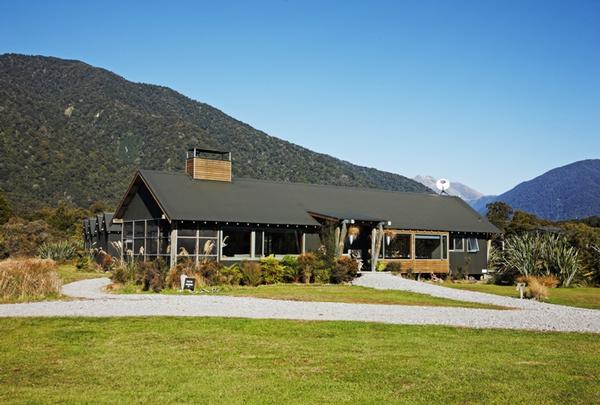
(258, 201)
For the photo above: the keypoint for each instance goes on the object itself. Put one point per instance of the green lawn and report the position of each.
(214, 360)
(584, 297)
(328, 293)
(68, 273)
(348, 293)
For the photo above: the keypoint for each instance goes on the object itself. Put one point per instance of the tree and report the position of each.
(523, 222)
(98, 207)
(5, 210)
(499, 213)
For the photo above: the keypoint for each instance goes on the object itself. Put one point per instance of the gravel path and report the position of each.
(93, 302)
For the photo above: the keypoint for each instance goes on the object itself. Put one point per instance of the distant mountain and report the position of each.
(567, 192)
(73, 132)
(456, 188)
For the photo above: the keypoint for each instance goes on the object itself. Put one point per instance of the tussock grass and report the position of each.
(28, 279)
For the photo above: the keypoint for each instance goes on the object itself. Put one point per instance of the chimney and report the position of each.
(207, 164)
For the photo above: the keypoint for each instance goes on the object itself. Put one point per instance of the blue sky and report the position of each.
(486, 93)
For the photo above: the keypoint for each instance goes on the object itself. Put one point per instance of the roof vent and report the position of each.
(207, 164)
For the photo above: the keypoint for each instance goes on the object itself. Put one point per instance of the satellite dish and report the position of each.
(442, 185)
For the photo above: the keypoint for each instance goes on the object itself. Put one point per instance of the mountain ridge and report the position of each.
(566, 192)
(72, 132)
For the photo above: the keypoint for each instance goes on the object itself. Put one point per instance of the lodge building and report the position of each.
(206, 214)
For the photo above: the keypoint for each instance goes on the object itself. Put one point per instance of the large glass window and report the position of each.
(472, 245)
(207, 247)
(428, 246)
(139, 229)
(396, 246)
(282, 243)
(128, 229)
(186, 246)
(456, 244)
(236, 244)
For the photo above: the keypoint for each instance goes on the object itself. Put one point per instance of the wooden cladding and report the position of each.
(208, 169)
(422, 265)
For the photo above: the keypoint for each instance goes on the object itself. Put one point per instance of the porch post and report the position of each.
(342, 238)
(173, 246)
(378, 240)
(373, 246)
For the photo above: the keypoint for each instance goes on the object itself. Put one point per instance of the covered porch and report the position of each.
(375, 244)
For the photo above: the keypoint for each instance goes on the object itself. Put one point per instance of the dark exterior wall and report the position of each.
(312, 242)
(142, 206)
(478, 260)
(113, 237)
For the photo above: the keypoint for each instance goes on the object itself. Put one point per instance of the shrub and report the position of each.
(251, 273)
(381, 266)
(209, 271)
(538, 255)
(344, 271)
(153, 275)
(550, 281)
(126, 272)
(394, 267)
(58, 251)
(28, 278)
(230, 275)
(4, 252)
(307, 268)
(535, 289)
(290, 269)
(85, 260)
(23, 238)
(173, 278)
(272, 270)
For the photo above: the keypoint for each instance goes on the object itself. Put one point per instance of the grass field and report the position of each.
(68, 273)
(176, 360)
(332, 293)
(584, 297)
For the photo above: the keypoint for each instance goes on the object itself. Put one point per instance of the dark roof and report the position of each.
(93, 224)
(258, 201)
(112, 227)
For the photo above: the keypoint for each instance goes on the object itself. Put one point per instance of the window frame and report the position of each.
(473, 250)
(452, 247)
(428, 236)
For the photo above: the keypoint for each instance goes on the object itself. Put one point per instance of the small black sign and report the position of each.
(189, 284)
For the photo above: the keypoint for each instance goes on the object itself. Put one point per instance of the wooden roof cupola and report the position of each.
(207, 164)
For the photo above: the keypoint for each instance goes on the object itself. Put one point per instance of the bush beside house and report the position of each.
(306, 268)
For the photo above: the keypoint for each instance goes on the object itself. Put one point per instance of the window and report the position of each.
(258, 244)
(128, 229)
(457, 244)
(428, 246)
(282, 243)
(472, 245)
(396, 246)
(186, 246)
(236, 244)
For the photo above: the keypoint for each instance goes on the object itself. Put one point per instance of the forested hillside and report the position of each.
(567, 192)
(70, 132)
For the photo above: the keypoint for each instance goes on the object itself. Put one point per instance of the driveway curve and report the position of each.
(91, 301)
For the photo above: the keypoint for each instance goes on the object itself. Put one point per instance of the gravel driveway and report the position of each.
(93, 302)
